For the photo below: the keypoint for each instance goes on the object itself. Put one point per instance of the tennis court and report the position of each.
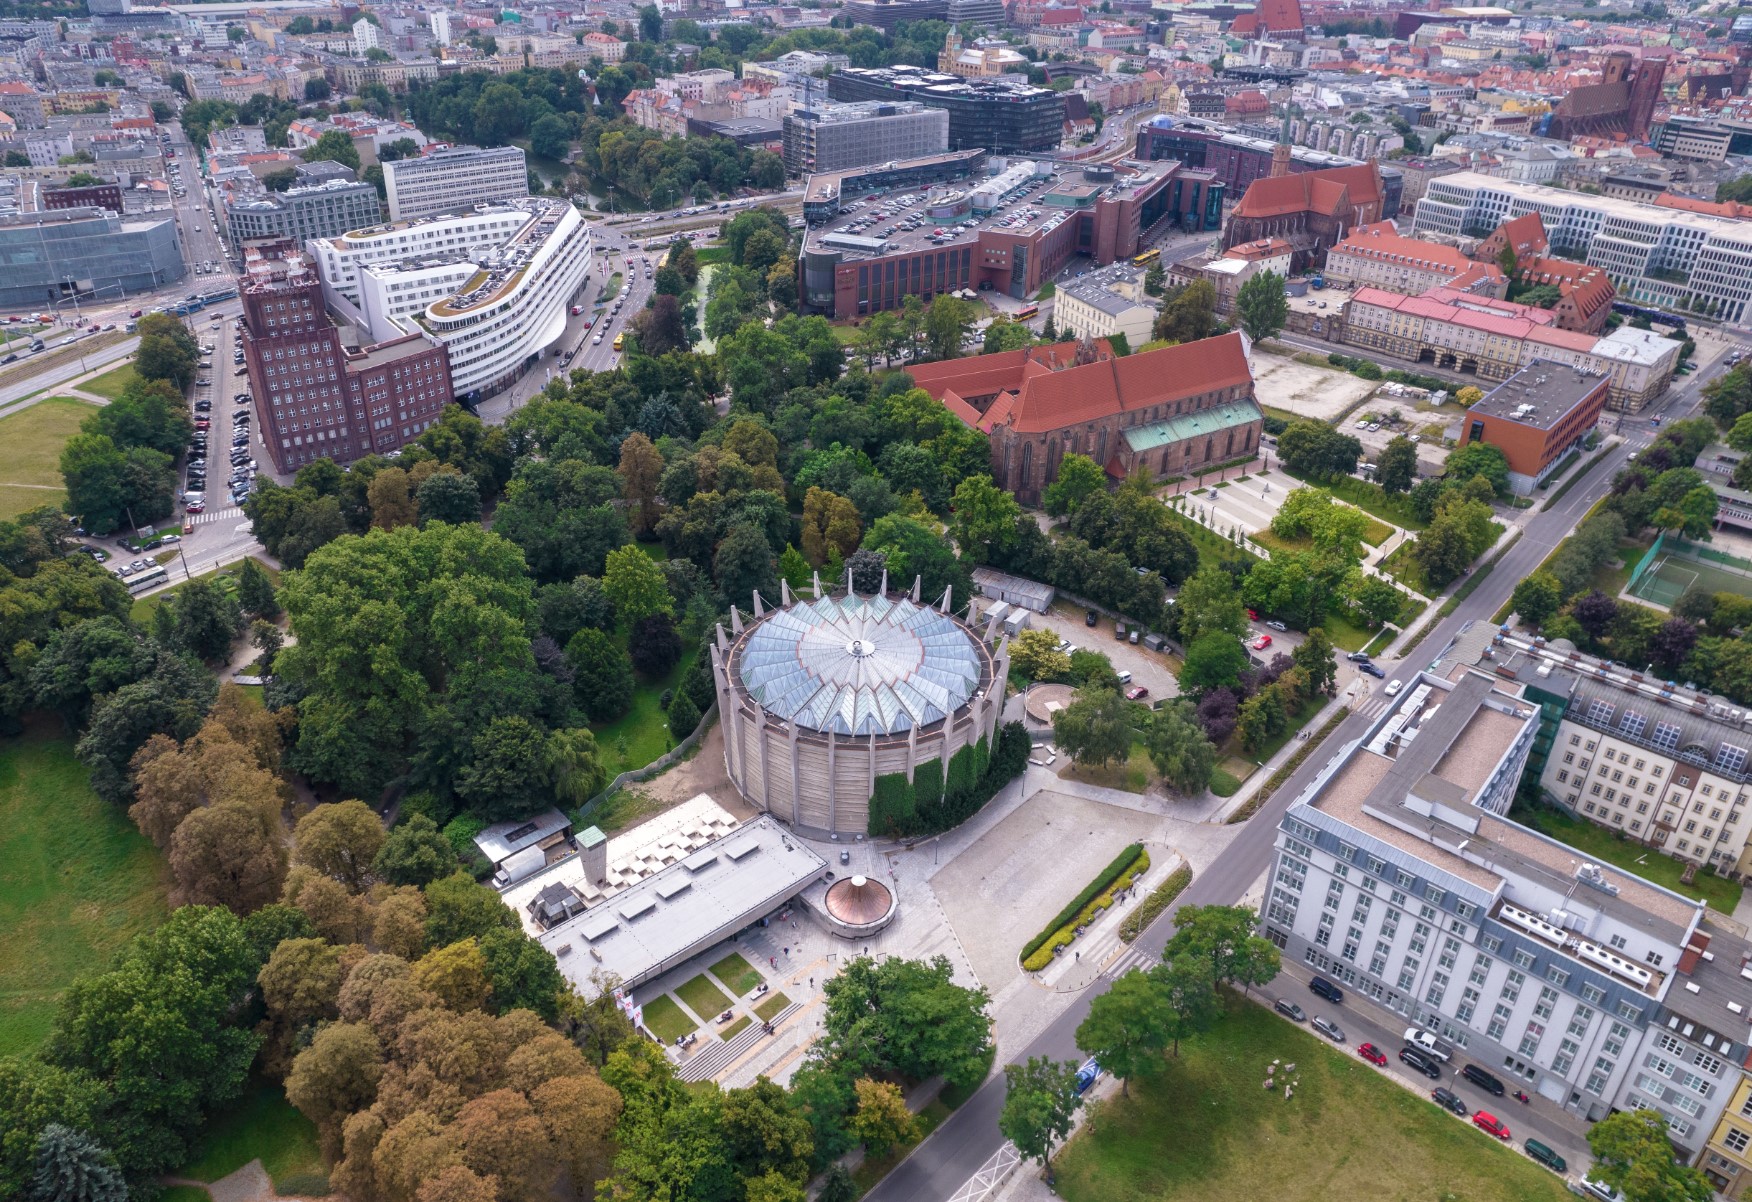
(1671, 575)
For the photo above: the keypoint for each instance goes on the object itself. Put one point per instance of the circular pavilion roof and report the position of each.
(858, 901)
(860, 665)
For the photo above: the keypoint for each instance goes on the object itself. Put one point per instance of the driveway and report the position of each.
(1148, 668)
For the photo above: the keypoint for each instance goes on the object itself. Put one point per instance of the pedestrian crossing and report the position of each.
(1369, 706)
(229, 514)
(1134, 958)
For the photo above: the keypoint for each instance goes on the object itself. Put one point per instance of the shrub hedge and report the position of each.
(1125, 866)
(1161, 897)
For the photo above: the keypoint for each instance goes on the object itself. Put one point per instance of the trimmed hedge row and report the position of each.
(1161, 897)
(1043, 955)
(1107, 876)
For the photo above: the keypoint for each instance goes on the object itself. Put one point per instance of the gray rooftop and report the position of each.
(1540, 395)
(656, 923)
(504, 839)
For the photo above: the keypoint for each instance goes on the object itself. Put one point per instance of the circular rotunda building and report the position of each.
(821, 697)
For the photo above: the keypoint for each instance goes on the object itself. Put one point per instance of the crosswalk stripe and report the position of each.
(230, 513)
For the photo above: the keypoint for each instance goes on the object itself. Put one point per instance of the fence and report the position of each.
(1642, 565)
(656, 767)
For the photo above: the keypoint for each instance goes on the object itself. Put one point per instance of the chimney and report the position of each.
(1693, 953)
(593, 854)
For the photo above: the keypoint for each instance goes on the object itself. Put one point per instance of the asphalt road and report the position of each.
(957, 1148)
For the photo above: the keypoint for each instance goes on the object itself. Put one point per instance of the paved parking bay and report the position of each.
(1148, 668)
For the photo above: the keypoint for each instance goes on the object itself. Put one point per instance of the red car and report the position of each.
(1136, 693)
(1486, 1121)
(136, 313)
(1372, 1054)
(1252, 616)
(1262, 642)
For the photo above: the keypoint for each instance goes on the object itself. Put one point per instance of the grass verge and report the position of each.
(1224, 783)
(111, 383)
(1574, 476)
(875, 1168)
(30, 452)
(1151, 908)
(702, 997)
(1251, 807)
(1371, 498)
(77, 881)
(262, 1125)
(1212, 547)
(1237, 1140)
(1602, 843)
(1133, 776)
(737, 974)
(772, 1007)
(667, 1021)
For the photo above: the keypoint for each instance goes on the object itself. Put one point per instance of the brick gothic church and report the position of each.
(1175, 411)
(1312, 210)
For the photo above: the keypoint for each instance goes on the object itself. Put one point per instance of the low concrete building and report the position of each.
(1535, 417)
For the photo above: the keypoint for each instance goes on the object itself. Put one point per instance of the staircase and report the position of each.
(720, 1054)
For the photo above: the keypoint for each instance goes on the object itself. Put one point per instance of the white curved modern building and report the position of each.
(820, 697)
(492, 285)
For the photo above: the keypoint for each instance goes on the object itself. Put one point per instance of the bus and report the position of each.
(620, 340)
(1149, 256)
(150, 578)
(1027, 311)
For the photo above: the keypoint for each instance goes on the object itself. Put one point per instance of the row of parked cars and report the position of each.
(1426, 1054)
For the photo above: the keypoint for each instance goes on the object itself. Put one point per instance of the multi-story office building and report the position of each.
(1654, 254)
(50, 256)
(297, 214)
(1238, 160)
(450, 181)
(886, 14)
(835, 137)
(1397, 874)
(492, 309)
(459, 236)
(990, 114)
(1010, 233)
(1535, 417)
(316, 398)
(1377, 256)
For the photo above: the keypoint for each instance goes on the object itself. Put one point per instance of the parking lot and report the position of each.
(1149, 669)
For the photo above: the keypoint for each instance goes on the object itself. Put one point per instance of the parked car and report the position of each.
(1413, 1058)
(1136, 693)
(1483, 1080)
(1261, 643)
(1546, 1156)
(1484, 1120)
(1426, 1042)
(1372, 1054)
(1372, 670)
(1358, 657)
(1321, 987)
(1290, 1010)
(1090, 618)
(1450, 1101)
(1277, 625)
(1328, 1028)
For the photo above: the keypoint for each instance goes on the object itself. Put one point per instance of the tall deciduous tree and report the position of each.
(1098, 727)
(1226, 938)
(228, 855)
(604, 675)
(641, 467)
(574, 765)
(983, 523)
(881, 1119)
(1396, 470)
(1179, 748)
(1127, 1028)
(1079, 478)
(1261, 305)
(1040, 1102)
(340, 840)
(448, 496)
(830, 525)
(1633, 1153)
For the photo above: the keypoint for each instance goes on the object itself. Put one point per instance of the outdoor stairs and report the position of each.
(721, 1054)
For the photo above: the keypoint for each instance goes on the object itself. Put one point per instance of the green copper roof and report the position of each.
(1192, 425)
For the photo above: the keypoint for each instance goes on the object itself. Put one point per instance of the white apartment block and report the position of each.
(492, 310)
(365, 36)
(440, 20)
(461, 235)
(1397, 875)
(454, 180)
(1656, 255)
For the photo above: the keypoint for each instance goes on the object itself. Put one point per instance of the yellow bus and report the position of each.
(1027, 311)
(1149, 256)
(619, 341)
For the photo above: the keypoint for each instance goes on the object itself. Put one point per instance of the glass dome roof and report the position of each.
(860, 665)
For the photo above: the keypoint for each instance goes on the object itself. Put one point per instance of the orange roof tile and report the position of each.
(1311, 191)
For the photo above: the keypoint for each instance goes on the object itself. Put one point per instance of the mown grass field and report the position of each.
(1205, 1131)
(264, 1126)
(77, 881)
(642, 733)
(30, 452)
(111, 383)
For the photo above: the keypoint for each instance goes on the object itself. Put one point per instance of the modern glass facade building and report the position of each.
(835, 137)
(46, 257)
(300, 214)
(1003, 118)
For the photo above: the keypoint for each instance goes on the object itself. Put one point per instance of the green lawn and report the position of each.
(1381, 641)
(263, 1126)
(846, 335)
(1212, 547)
(711, 254)
(1133, 776)
(702, 997)
(1224, 783)
(1271, 747)
(735, 1028)
(30, 452)
(111, 383)
(738, 975)
(1601, 843)
(77, 881)
(1205, 1131)
(1345, 634)
(611, 289)
(769, 1009)
(1403, 566)
(144, 607)
(667, 1021)
(642, 733)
